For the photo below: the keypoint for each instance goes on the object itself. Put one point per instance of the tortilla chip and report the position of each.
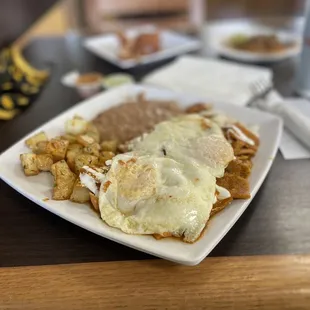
(220, 205)
(238, 187)
(240, 168)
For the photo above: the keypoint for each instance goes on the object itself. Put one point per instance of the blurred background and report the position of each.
(53, 36)
(21, 20)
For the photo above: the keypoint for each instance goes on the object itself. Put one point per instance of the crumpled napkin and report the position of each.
(215, 79)
(295, 112)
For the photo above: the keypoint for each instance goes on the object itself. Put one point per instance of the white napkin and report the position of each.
(291, 148)
(295, 112)
(215, 79)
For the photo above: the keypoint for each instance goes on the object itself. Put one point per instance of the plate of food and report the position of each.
(140, 45)
(161, 172)
(250, 42)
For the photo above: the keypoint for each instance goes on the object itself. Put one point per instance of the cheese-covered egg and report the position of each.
(189, 138)
(156, 195)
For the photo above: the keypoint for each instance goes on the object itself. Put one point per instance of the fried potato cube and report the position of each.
(32, 141)
(76, 126)
(57, 148)
(93, 135)
(53, 169)
(29, 163)
(85, 140)
(109, 145)
(64, 180)
(92, 149)
(80, 193)
(93, 132)
(94, 201)
(70, 138)
(75, 147)
(104, 156)
(44, 162)
(41, 147)
(72, 151)
(84, 160)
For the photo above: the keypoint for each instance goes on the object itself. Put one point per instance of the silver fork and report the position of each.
(259, 90)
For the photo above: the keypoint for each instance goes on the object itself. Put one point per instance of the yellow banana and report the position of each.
(7, 115)
(21, 63)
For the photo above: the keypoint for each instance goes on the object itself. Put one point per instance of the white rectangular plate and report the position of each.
(37, 188)
(107, 46)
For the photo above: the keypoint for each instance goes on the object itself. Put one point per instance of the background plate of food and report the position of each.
(141, 45)
(250, 41)
(158, 171)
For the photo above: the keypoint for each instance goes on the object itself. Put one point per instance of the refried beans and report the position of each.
(130, 120)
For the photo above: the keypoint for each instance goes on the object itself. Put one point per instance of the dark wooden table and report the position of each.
(276, 222)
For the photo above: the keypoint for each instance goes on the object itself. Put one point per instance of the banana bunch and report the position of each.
(20, 83)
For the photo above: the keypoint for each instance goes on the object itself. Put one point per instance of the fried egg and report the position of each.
(167, 184)
(156, 195)
(190, 138)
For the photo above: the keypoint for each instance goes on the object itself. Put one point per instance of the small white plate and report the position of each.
(172, 43)
(37, 188)
(219, 33)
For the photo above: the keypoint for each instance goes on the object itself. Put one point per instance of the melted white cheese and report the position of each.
(223, 193)
(191, 139)
(240, 135)
(91, 178)
(167, 184)
(157, 195)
